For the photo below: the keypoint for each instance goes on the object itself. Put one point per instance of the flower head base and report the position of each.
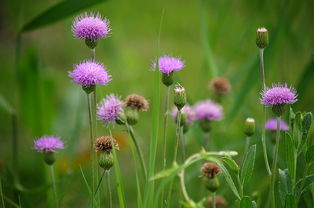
(278, 95)
(90, 73)
(103, 144)
(47, 144)
(220, 85)
(167, 64)
(208, 110)
(271, 125)
(136, 101)
(90, 27)
(109, 109)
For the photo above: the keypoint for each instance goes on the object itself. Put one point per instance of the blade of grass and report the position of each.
(1, 192)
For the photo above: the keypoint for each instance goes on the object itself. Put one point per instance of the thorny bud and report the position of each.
(249, 127)
(105, 161)
(179, 96)
(132, 116)
(262, 38)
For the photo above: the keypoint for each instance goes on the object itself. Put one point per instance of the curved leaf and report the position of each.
(231, 164)
(248, 165)
(229, 179)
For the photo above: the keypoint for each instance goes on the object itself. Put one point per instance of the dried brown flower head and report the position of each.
(103, 144)
(220, 202)
(137, 101)
(220, 85)
(210, 169)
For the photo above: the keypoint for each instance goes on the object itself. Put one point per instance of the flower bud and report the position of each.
(105, 161)
(179, 96)
(167, 79)
(212, 184)
(91, 43)
(205, 125)
(132, 116)
(249, 127)
(89, 89)
(49, 158)
(262, 38)
(278, 110)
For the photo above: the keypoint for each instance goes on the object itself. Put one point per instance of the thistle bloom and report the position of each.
(90, 26)
(167, 64)
(271, 125)
(109, 109)
(89, 73)
(47, 144)
(278, 95)
(187, 110)
(208, 110)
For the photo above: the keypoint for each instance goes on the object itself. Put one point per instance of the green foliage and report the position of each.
(246, 202)
(248, 165)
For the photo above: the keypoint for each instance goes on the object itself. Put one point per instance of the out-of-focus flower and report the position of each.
(47, 144)
(208, 110)
(278, 95)
(109, 109)
(220, 85)
(271, 125)
(167, 64)
(136, 101)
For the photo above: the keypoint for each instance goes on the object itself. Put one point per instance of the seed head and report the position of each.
(136, 101)
(103, 144)
(220, 85)
(210, 170)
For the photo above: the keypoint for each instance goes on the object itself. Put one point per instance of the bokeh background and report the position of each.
(215, 38)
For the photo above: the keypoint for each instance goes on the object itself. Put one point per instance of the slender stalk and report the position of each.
(214, 199)
(240, 186)
(54, 185)
(138, 150)
(1, 192)
(15, 145)
(93, 53)
(274, 168)
(109, 189)
(165, 127)
(99, 182)
(182, 143)
(206, 141)
(183, 188)
(261, 59)
(246, 147)
(302, 184)
(91, 134)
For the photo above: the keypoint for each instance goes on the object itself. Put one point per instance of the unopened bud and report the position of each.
(212, 184)
(105, 161)
(167, 79)
(132, 116)
(249, 127)
(262, 38)
(179, 96)
(91, 43)
(49, 158)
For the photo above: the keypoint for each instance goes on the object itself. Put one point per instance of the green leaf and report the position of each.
(309, 180)
(229, 180)
(248, 165)
(58, 12)
(290, 156)
(231, 164)
(5, 105)
(289, 202)
(166, 173)
(310, 154)
(285, 184)
(246, 202)
(306, 124)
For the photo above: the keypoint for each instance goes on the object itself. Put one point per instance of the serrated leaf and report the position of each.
(310, 154)
(289, 201)
(285, 184)
(309, 180)
(229, 180)
(231, 164)
(248, 165)
(58, 12)
(246, 202)
(290, 156)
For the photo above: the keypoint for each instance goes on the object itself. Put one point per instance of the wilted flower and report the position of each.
(208, 110)
(210, 169)
(90, 73)
(103, 144)
(47, 144)
(220, 85)
(167, 64)
(136, 101)
(109, 109)
(90, 26)
(271, 125)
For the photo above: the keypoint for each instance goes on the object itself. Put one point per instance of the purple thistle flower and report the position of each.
(90, 26)
(109, 109)
(89, 73)
(187, 110)
(278, 95)
(208, 110)
(48, 144)
(271, 125)
(167, 64)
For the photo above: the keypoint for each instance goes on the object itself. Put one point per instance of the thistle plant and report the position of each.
(47, 145)
(249, 130)
(277, 97)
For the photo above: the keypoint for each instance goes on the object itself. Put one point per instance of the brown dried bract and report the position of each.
(137, 101)
(210, 169)
(103, 144)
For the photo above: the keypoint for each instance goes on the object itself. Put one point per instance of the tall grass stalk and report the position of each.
(274, 166)
(53, 181)
(261, 57)
(117, 173)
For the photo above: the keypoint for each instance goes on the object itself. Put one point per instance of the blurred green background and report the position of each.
(215, 38)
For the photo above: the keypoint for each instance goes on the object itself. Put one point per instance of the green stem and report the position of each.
(91, 145)
(93, 54)
(302, 184)
(1, 192)
(261, 59)
(117, 173)
(274, 168)
(246, 147)
(264, 144)
(165, 127)
(138, 150)
(240, 186)
(214, 199)
(54, 185)
(99, 182)
(109, 189)
(183, 187)
(182, 143)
